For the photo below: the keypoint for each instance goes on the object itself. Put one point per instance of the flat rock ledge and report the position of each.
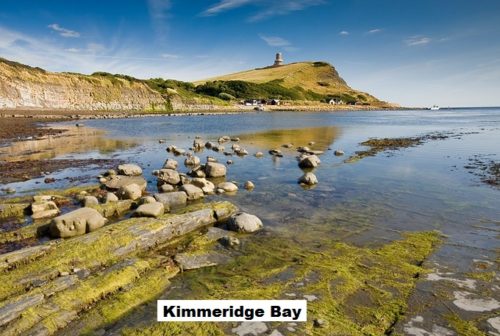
(45, 288)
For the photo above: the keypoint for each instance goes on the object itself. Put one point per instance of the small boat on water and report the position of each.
(434, 108)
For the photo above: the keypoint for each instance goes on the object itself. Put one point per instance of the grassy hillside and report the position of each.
(305, 83)
(304, 80)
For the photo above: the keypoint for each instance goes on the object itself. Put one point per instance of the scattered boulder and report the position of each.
(259, 154)
(129, 169)
(275, 152)
(315, 152)
(249, 185)
(227, 186)
(171, 148)
(192, 160)
(229, 162)
(119, 181)
(206, 186)
(76, 223)
(155, 209)
(170, 164)
(192, 192)
(308, 179)
(110, 197)
(169, 176)
(235, 139)
(211, 159)
(213, 169)
(310, 161)
(241, 152)
(218, 148)
(339, 152)
(147, 200)
(289, 145)
(244, 222)
(90, 201)
(44, 209)
(209, 145)
(235, 147)
(110, 173)
(198, 171)
(198, 144)
(166, 188)
(131, 192)
(172, 199)
(179, 151)
(312, 143)
(303, 149)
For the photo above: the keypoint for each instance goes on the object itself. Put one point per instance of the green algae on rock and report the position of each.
(359, 291)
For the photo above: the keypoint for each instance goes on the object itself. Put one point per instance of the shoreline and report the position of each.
(112, 114)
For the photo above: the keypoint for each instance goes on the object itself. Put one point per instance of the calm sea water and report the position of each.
(367, 203)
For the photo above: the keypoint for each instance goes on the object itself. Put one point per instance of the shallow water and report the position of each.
(366, 203)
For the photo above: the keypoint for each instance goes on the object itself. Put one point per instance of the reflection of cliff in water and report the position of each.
(322, 136)
(74, 140)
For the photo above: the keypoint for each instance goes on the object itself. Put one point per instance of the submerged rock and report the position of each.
(76, 223)
(244, 222)
(188, 261)
(249, 185)
(339, 152)
(129, 169)
(155, 209)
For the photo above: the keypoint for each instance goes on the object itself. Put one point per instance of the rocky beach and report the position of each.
(111, 222)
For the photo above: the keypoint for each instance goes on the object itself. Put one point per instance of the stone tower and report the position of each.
(279, 60)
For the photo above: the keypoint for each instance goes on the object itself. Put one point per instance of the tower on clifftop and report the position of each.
(279, 60)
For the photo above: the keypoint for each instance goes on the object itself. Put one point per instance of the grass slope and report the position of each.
(319, 78)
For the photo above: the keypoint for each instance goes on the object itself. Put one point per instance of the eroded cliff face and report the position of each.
(24, 87)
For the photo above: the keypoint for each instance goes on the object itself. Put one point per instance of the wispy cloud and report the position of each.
(64, 32)
(417, 41)
(267, 8)
(170, 56)
(374, 31)
(275, 41)
(159, 13)
(344, 33)
(225, 5)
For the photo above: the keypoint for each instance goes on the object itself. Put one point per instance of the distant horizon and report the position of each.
(401, 52)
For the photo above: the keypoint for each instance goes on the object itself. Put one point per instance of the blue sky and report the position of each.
(415, 53)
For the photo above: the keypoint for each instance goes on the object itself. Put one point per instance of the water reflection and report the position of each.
(74, 140)
(322, 137)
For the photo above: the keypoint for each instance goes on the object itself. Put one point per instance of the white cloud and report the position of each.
(417, 41)
(344, 33)
(275, 41)
(268, 8)
(73, 50)
(170, 56)
(374, 31)
(225, 5)
(64, 32)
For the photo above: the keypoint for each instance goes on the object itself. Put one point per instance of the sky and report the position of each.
(414, 53)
